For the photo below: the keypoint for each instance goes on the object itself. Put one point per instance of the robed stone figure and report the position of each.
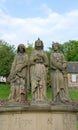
(38, 72)
(58, 66)
(19, 75)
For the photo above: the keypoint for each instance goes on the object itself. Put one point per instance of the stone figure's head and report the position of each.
(39, 44)
(21, 48)
(56, 46)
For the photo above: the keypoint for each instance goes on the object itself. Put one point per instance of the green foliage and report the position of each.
(4, 91)
(7, 53)
(48, 74)
(49, 93)
(70, 50)
(29, 49)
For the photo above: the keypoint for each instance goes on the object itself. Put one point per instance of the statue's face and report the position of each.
(56, 47)
(39, 46)
(21, 49)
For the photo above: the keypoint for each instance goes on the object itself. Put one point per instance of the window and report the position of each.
(73, 77)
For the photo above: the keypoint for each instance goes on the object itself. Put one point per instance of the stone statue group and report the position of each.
(32, 71)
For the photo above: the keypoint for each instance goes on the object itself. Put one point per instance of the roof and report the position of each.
(72, 67)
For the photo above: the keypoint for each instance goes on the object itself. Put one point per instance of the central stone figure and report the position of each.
(38, 72)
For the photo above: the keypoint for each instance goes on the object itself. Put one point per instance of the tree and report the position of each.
(70, 50)
(7, 53)
(29, 48)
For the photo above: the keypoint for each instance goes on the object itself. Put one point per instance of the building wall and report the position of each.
(72, 80)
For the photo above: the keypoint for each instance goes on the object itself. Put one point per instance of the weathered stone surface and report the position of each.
(35, 117)
(19, 75)
(38, 72)
(59, 82)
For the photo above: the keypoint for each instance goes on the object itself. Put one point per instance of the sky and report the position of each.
(23, 21)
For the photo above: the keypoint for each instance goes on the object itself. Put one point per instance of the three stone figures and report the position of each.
(34, 69)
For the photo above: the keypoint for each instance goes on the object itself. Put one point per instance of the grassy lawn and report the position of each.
(5, 90)
(73, 94)
(77, 125)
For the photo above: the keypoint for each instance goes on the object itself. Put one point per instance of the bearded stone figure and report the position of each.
(38, 72)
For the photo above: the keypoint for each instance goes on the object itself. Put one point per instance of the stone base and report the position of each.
(37, 118)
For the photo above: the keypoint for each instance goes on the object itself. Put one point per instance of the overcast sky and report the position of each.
(50, 20)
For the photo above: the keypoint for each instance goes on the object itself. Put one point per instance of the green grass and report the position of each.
(49, 93)
(5, 90)
(77, 124)
(73, 94)
(29, 95)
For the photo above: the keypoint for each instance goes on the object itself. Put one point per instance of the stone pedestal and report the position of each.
(38, 117)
